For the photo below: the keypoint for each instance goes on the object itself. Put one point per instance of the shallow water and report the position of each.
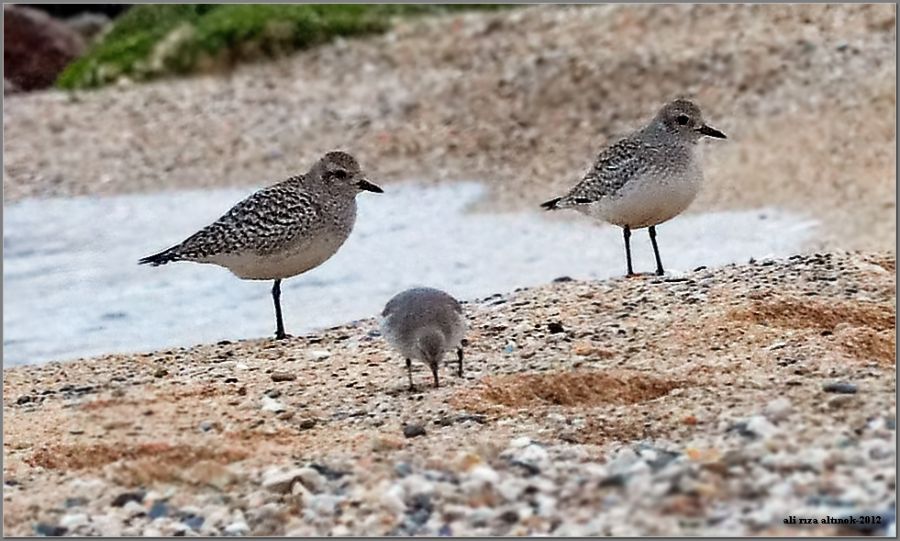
(72, 286)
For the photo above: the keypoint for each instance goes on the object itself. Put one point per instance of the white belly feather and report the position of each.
(297, 259)
(648, 200)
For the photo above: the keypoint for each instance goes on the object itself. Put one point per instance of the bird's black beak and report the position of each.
(368, 186)
(712, 132)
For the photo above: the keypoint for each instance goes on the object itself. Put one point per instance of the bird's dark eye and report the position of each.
(682, 120)
(340, 174)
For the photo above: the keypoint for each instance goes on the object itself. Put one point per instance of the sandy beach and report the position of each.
(715, 403)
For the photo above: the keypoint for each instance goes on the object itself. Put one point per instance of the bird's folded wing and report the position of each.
(613, 168)
(260, 223)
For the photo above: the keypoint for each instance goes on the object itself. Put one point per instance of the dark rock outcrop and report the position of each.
(36, 47)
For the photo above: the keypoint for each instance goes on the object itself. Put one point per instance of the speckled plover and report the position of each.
(647, 178)
(282, 230)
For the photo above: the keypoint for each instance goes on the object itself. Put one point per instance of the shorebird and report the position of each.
(647, 178)
(282, 230)
(423, 323)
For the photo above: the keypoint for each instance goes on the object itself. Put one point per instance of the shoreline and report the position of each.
(714, 384)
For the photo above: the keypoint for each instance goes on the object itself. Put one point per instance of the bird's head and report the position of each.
(340, 170)
(431, 344)
(683, 119)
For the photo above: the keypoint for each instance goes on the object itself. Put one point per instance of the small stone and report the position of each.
(281, 481)
(126, 497)
(329, 473)
(206, 426)
(318, 355)
(484, 475)
(778, 409)
(75, 502)
(193, 522)
(311, 479)
(412, 431)
(283, 376)
(270, 404)
(237, 528)
(836, 402)
(555, 327)
(134, 508)
(73, 521)
(158, 509)
(48, 530)
(840, 388)
(160, 373)
(24, 399)
(518, 443)
(306, 424)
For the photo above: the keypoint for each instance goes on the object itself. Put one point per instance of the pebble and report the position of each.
(133, 508)
(840, 388)
(778, 409)
(270, 404)
(283, 376)
(306, 424)
(311, 479)
(393, 498)
(126, 497)
(413, 431)
(555, 327)
(49, 530)
(158, 510)
(73, 521)
(318, 354)
(237, 528)
(840, 401)
(761, 426)
(75, 502)
(280, 481)
(484, 475)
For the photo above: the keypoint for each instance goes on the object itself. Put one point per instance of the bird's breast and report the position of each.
(651, 198)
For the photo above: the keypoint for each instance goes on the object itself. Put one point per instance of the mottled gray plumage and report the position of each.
(423, 323)
(647, 178)
(282, 230)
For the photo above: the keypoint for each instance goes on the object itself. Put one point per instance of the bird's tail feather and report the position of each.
(553, 204)
(166, 256)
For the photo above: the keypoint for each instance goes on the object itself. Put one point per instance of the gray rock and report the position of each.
(413, 431)
(280, 480)
(238, 527)
(840, 388)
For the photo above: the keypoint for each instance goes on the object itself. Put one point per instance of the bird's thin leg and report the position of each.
(459, 355)
(659, 267)
(434, 372)
(409, 374)
(626, 231)
(279, 324)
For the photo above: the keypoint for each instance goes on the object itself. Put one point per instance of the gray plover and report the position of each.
(423, 323)
(645, 179)
(282, 230)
